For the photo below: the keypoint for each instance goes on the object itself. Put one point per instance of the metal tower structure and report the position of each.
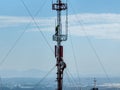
(95, 83)
(59, 36)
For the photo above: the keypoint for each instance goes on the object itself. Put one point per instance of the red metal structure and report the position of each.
(59, 37)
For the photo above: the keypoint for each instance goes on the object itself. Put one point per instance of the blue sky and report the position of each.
(100, 28)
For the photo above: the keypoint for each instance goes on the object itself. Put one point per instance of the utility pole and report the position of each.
(59, 37)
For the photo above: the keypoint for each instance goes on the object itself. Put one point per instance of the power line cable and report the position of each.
(74, 56)
(13, 46)
(18, 39)
(93, 48)
(70, 80)
(95, 52)
(71, 75)
(36, 24)
(77, 71)
(10, 50)
(73, 79)
(38, 83)
(44, 39)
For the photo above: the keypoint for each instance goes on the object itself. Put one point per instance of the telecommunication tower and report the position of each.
(95, 88)
(60, 36)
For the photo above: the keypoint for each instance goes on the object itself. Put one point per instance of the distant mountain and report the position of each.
(33, 73)
(50, 84)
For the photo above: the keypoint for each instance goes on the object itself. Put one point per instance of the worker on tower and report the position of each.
(56, 30)
(63, 66)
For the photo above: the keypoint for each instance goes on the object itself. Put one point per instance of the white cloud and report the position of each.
(14, 21)
(105, 26)
(111, 85)
(10, 21)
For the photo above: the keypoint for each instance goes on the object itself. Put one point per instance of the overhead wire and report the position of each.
(75, 59)
(10, 50)
(74, 56)
(38, 83)
(93, 48)
(71, 80)
(18, 39)
(96, 54)
(36, 25)
(74, 80)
